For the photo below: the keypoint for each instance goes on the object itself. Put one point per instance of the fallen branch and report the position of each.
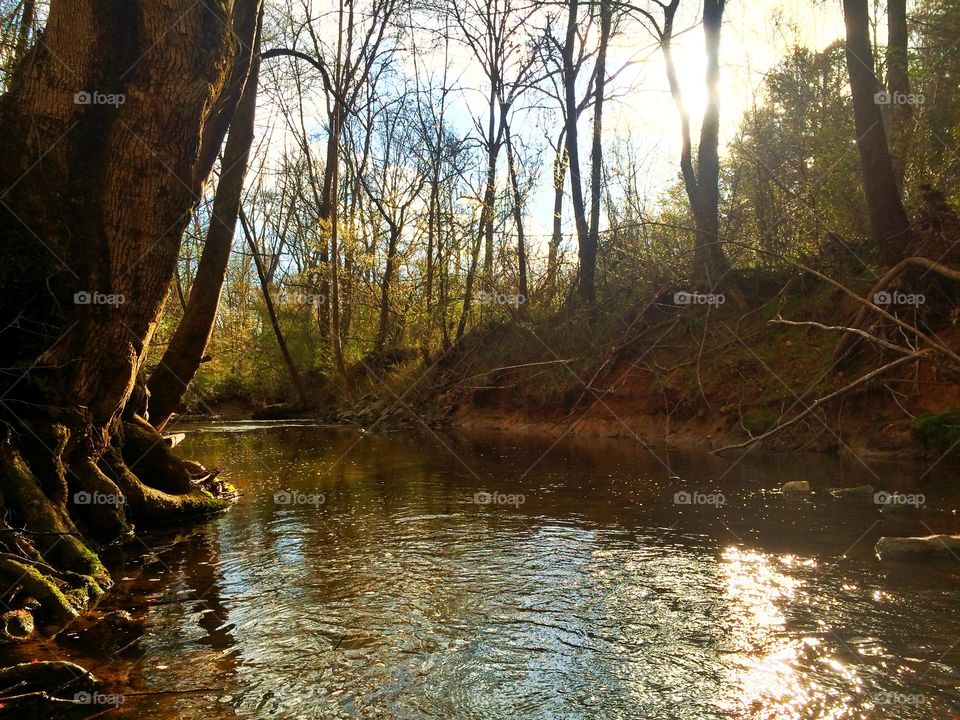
(518, 367)
(822, 401)
(940, 347)
(846, 344)
(842, 328)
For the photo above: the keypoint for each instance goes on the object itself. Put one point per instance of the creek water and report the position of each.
(422, 575)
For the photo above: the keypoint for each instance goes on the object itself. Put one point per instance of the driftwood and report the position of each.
(174, 439)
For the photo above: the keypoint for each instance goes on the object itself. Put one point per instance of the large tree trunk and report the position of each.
(104, 143)
(27, 12)
(185, 352)
(888, 220)
(898, 83)
(710, 264)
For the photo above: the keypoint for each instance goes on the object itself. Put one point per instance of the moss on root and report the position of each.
(46, 555)
(23, 493)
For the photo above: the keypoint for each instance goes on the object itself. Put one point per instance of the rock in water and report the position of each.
(796, 486)
(917, 548)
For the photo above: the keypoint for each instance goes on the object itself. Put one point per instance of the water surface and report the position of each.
(443, 576)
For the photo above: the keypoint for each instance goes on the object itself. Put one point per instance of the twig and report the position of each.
(821, 401)
(842, 328)
(518, 367)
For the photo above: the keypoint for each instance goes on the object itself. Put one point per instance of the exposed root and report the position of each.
(22, 492)
(149, 504)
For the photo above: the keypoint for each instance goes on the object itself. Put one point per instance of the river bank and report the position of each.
(658, 372)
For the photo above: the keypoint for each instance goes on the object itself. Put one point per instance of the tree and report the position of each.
(393, 189)
(571, 115)
(184, 354)
(791, 164)
(588, 253)
(702, 183)
(358, 50)
(86, 260)
(494, 32)
(898, 82)
(888, 220)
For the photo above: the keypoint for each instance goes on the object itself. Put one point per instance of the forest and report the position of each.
(282, 280)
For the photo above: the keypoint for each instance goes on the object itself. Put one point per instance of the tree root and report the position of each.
(147, 454)
(22, 491)
(61, 605)
(25, 677)
(46, 561)
(149, 504)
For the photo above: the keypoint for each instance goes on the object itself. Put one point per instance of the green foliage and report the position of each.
(791, 177)
(759, 421)
(938, 431)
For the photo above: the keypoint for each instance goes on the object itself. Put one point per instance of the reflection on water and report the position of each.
(401, 590)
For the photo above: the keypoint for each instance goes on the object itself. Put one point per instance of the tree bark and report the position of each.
(573, 147)
(185, 353)
(26, 25)
(710, 263)
(102, 137)
(588, 254)
(898, 83)
(889, 224)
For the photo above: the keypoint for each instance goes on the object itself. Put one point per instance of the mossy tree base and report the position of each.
(54, 526)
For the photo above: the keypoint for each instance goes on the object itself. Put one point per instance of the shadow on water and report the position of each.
(455, 576)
